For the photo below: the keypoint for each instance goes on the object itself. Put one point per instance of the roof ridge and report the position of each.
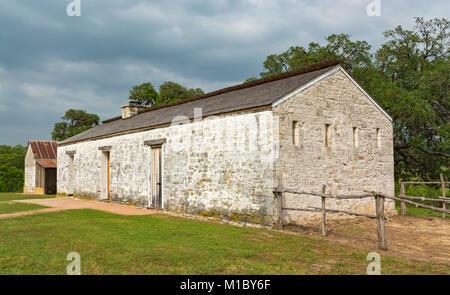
(299, 71)
(32, 140)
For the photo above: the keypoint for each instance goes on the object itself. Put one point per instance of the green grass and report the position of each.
(421, 190)
(414, 211)
(11, 207)
(161, 244)
(17, 196)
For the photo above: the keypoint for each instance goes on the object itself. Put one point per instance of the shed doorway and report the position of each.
(156, 183)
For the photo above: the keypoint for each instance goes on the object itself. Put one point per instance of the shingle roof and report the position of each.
(44, 150)
(258, 93)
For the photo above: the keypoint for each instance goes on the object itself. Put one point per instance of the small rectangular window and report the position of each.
(355, 137)
(327, 135)
(295, 133)
(378, 139)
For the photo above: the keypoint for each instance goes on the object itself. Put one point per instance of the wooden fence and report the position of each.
(379, 208)
(442, 199)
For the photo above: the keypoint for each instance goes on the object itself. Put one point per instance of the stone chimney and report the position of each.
(131, 110)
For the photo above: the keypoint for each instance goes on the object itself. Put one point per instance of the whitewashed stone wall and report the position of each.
(221, 167)
(344, 169)
(30, 171)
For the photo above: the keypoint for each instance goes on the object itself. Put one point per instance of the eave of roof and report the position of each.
(51, 163)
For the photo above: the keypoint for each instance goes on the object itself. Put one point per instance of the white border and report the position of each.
(323, 76)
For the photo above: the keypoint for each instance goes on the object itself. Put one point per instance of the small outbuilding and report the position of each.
(40, 167)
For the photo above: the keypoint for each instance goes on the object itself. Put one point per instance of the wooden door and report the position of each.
(71, 175)
(105, 176)
(156, 177)
(108, 176)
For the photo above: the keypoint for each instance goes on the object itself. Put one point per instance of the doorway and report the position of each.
(50, 181)
(156, 179)
(71, 175)
(105, 175)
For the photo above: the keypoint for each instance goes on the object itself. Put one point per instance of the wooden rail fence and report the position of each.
(379, 208)
(442, 199)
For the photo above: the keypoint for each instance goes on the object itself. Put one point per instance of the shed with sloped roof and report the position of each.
(40, 167)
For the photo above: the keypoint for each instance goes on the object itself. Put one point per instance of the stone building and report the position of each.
(222, 154)
(40, 167)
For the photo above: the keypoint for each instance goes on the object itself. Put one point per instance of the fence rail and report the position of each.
(442, 199)
(379, 207)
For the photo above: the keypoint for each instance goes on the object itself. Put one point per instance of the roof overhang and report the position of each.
(47, 163)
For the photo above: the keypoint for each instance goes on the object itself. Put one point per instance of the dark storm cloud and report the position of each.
(50, 62)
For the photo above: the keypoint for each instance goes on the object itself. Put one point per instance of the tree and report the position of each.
(408, 76)
(172, 92)
(413, 66)
(75, 121)
(12, 168)
(351, 54)
(144, 94)
(250, 79)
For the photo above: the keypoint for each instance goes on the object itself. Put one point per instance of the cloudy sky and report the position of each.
(50, 62)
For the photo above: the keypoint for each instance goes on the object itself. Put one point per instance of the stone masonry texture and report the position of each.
(209, 168)
(343, 168)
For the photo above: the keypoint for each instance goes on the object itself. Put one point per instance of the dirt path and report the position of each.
(59, 204)
(418, 237)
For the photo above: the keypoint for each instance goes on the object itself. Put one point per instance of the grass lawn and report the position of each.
(161, 244)
(17, 196)
(416, 211)
(10, 207)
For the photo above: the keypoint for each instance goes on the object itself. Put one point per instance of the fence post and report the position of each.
(444, 205)
(324, 216)
(402, 204)
(379, 207)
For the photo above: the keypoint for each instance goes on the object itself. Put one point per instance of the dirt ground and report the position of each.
(59, 204)
(416, 237)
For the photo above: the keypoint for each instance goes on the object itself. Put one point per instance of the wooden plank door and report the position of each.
(105, 176)
(156, 177)
(71, 175)
(108, 176)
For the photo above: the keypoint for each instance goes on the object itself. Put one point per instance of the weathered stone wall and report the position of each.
(220, 167)
(30, 172)
(343, 168)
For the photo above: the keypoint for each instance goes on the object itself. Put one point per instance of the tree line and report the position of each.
(12, 168)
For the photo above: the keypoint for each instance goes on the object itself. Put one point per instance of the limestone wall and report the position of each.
(342, 167)
(221, 167)
(30, 172)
